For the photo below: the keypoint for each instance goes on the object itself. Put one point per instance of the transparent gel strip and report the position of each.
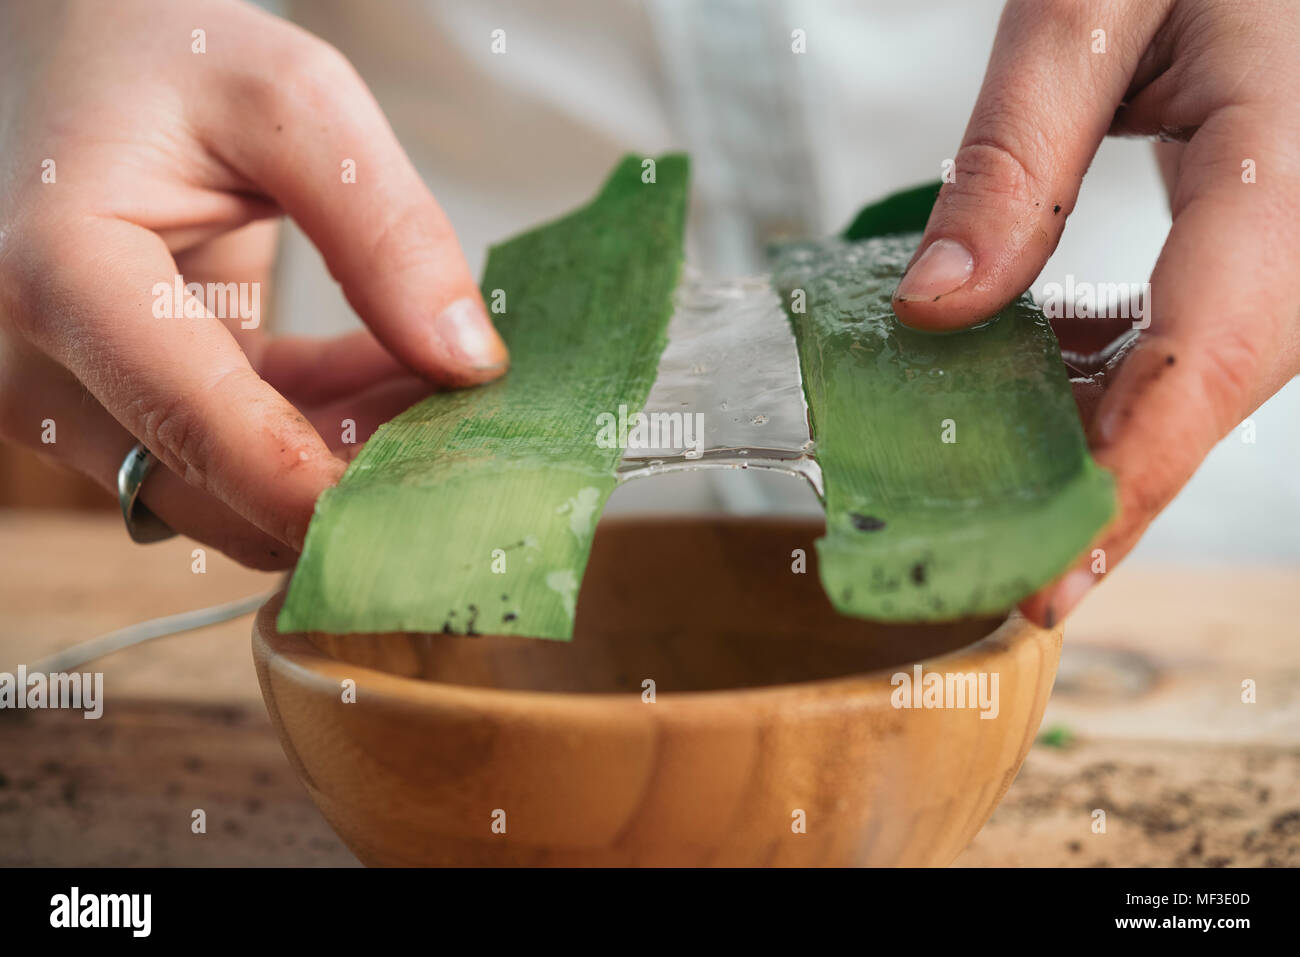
(730, 365)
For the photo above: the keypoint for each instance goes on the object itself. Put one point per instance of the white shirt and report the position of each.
(781, 142)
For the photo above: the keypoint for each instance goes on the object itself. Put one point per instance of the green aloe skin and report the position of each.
(474, 511)
(957, 477)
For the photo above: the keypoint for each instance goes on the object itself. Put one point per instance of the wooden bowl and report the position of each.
(769, 710)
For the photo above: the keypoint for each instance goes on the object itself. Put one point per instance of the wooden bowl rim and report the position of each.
(308, 666)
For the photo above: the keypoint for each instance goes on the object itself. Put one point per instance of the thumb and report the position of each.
(351, 188)
(1048, 98)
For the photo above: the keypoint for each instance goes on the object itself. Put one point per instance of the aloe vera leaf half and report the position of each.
(473, 511)
(957, 478)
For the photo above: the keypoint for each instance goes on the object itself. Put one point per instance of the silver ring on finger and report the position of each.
(141, 524)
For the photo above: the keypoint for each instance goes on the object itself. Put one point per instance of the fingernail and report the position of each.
(944, 266)
(1071, 591)
(466, 330)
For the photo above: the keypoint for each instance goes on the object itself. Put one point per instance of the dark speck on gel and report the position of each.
(866, 523)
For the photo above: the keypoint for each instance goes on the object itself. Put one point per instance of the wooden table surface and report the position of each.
(1147, 703)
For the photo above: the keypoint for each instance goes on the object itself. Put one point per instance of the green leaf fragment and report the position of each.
(957, 478)
(903, 212)
(474, 511)
(1058, 736)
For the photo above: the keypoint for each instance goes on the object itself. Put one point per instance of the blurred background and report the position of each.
(783, 144)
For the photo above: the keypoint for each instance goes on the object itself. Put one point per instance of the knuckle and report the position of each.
(409, 239)
(1069, 12)
(998, 164)
(1232, 360)
(171, 426)
(1064, 18)
(313, 74)
(309, 74)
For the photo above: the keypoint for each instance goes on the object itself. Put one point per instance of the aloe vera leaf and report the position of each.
(920, 529)
(903, 212)
(473, 511)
